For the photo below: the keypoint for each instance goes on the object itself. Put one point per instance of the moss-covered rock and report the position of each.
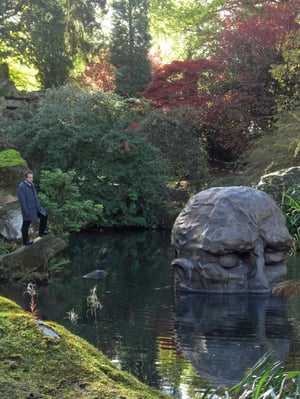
(11, 158)
(12, 167)
(34, 364)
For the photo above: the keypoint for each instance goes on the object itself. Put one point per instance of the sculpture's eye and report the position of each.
(272, 258)
(230, 260)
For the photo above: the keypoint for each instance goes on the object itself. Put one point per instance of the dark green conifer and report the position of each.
(129, 46)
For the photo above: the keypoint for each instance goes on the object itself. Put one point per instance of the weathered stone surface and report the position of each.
(12, 168)
(31, 262)
(280, 181)
(230, 239)
(10, 221)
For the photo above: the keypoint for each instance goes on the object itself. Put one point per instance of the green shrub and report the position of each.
(276, 149)
(67, 210)
(129, 180)
(176, 133)
(73, 130)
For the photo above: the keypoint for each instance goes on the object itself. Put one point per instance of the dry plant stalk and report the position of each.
(32, 292)
(93, 305)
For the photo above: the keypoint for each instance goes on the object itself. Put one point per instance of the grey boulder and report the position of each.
(228, 240)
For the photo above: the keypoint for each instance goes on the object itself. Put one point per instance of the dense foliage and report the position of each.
(234, 89)
(99, 74)
(129, 46)
(266, 379)
(220, 118)
(236, 71)
(67, 210)
(52, 36)
(287, 73)
(278, 149)
(176, 133)
(73, 130)
(248, 49)
(43, 23)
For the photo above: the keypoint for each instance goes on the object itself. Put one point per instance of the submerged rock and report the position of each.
(96, 274)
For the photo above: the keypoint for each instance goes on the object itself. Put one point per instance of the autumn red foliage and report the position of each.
(177, 83)
(232, 88)
(248, 48)
(191, 83)
(100, 74)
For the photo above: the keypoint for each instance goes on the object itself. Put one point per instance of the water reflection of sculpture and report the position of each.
(224, 335)
(230, 240)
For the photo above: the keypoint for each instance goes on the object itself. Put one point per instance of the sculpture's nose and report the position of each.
(259, 280)
(184, 264)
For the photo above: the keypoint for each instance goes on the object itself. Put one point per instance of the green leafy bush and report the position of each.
(176, 133)
(74, 130)
(67, 210)
(129, 180)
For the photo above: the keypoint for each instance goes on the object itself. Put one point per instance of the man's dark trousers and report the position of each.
(26, 224)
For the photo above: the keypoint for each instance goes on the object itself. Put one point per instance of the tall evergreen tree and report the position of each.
(83, 26)
(51, 35)
(130, 43)
(45, 47)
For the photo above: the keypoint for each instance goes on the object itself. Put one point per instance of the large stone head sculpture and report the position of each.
(230, 239)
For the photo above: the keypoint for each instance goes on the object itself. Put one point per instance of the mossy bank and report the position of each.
(37, 365)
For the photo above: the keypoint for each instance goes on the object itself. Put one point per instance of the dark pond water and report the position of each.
(175, 343)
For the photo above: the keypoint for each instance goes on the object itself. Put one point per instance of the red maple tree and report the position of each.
(232, 88)
(100, 74)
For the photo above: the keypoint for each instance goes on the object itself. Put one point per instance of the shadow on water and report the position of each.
(175, 343)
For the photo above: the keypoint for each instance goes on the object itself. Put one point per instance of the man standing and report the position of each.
(31, 208)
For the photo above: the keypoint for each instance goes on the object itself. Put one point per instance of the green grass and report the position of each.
(266, 380)
(290, 207)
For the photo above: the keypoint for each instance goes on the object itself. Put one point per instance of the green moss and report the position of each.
(10, 158)
(33, 364)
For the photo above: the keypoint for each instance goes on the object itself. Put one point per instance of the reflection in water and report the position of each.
(172, 345)
(224, 335)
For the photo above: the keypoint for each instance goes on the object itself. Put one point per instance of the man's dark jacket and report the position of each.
(29, 202)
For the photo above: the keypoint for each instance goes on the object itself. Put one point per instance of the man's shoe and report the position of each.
(29, 242)
(44, 233)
